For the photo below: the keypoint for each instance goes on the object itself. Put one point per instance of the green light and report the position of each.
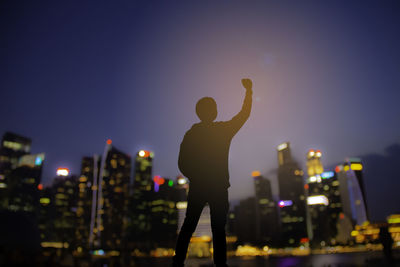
(170, 183)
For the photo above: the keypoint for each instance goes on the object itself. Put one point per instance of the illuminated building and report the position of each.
(325, 207)
(324, 202)
(110, 205)
(20, 175)
(314, 164)
(291, 187)
(12, 148)
(46, 215)
(87, 196)
(164, 214)
(352, 190)
(368, 233)
(139, 211)
(64, 201)
(266, 211)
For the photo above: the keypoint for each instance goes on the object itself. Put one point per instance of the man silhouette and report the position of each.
(203, 159)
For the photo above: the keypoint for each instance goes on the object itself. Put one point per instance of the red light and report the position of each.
(40, 186)
(158, 180)
(306, 186)
(304, 240)
(109, 141)
(337, 169)
(341, 216)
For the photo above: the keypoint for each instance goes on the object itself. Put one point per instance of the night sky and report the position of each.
(325, 74)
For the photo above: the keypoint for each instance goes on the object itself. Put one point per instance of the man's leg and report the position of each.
(219, 206)
(195, 205)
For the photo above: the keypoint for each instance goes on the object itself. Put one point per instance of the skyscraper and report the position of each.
(292, 195)
(352, 190)
(139, 211)
(325, 207)
(65, 194)
(164, 214)
(266, 211)
(314, 164)
(87, 196)
(20, 175)
(110, 199)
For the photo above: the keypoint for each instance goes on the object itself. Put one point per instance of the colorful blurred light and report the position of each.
(285, 203)
(327, 175)
(282, 146)
(144, 153)
(40, 186)
(318, 200)
(109, 141)
(356, 166)
(158, 180)
(255, 173)
(62, 172)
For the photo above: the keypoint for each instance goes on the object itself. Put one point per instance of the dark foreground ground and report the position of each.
(332, 260)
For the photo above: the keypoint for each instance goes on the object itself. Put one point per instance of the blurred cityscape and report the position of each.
(115, 212)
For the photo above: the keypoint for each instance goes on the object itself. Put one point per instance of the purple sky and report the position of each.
(325, 76)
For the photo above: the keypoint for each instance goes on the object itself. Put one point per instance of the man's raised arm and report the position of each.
(237, 122)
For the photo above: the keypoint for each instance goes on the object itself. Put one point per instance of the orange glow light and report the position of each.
(109, 141)
(62, 172)
(144, 153)
(304, 240)
(255, 173)
(306, 186)
(40, 186)
(159, 180)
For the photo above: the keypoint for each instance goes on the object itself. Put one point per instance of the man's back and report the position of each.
(204, 150)
(203, 158)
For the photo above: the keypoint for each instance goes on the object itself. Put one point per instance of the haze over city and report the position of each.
(325, 77)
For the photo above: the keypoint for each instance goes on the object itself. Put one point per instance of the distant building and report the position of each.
(64, 197)
(140, 202)
(87, 196)
(266, 211)
(46, 215)
(314, 164)
(352, 190)
(325, 208)
(245, 223)
(12, 148)
(20, 175)
(291, 191)
(164, 213)
(110, 192)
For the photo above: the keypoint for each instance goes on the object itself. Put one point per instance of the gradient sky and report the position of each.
(326, 76)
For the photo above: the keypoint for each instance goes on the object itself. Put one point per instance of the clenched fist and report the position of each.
(247, 83)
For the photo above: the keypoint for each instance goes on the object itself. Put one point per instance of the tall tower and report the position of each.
(140, 202)
(110, 193)
(64, 190)
(20, 174)
(292, 195)
(352, 190)
(87, 200)
(266, 210)
(314, 164)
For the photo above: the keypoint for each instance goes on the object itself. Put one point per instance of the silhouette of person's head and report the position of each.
(206, 109)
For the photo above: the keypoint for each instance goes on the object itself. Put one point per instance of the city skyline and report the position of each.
(325, 78)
